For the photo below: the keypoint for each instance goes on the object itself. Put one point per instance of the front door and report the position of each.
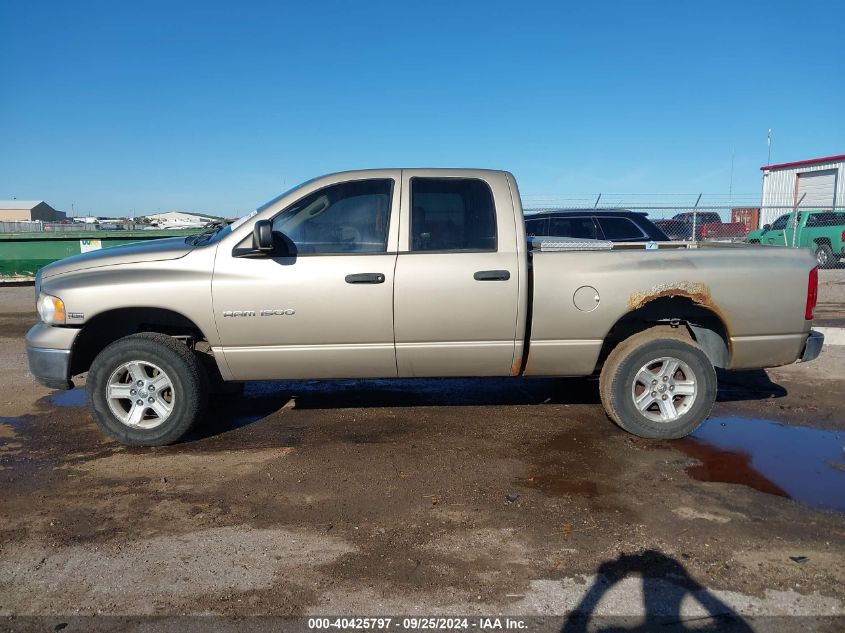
(457, 279)
(777, 235)
(322, 305)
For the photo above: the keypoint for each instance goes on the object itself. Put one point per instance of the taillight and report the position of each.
(842, 237)
(812, 294)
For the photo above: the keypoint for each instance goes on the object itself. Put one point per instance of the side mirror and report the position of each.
(262, 236)
(767, 227)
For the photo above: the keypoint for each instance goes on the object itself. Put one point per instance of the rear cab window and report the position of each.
(452, 214)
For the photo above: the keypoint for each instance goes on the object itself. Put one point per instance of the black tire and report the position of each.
(618, 382)
(825, 256)
(179, 364)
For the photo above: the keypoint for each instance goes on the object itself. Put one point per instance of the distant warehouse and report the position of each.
(181, 216)
(28, 211)
(818, 183)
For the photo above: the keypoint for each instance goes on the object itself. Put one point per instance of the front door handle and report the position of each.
(492, 275)
(365, 278)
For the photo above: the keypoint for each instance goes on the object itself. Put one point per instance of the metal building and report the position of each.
(28, 211)
(818, 183)
(181, 216)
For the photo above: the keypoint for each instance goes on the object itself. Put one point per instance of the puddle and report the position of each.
(558, 485)
(568, 464)
(801, 463)
(68, 398)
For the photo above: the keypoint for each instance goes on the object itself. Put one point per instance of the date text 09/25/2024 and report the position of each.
(417, 623)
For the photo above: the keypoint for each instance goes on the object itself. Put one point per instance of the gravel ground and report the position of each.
(427, 497)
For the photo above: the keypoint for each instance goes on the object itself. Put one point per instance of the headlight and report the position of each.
(51, 309)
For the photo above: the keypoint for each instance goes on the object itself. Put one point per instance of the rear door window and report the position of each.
(452, 214)
(573, 226)
(620, 229)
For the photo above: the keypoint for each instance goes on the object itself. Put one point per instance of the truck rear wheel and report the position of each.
(824, 256)
(658, 384)
(146, 389)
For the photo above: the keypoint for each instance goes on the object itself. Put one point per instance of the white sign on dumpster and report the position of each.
(86, 246)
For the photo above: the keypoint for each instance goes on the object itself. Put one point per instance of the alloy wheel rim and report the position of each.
(664, 389)
(140, 394)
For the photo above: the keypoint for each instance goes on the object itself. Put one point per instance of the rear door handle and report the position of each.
(492, 275)
(365, 278)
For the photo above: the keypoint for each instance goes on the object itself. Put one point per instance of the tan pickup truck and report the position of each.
(412, 273)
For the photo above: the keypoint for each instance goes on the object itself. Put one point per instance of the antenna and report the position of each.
(731, 185)
(769, 141)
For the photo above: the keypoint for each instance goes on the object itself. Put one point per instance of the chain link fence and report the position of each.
(56, 227)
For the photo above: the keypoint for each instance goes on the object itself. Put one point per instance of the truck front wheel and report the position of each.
(146, 389)
(658, 384)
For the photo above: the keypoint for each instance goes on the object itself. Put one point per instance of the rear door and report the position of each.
(456, 297)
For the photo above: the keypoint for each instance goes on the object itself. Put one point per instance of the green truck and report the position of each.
(823, 231)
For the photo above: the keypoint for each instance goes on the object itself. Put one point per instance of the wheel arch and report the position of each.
(111, 325)
(701, 323)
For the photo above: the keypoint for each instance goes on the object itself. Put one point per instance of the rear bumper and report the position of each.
(48, 354)
(813, 346)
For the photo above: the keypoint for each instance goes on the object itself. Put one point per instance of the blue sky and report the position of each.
(118, 107)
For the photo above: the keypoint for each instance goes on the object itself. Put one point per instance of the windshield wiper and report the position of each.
(208, 233)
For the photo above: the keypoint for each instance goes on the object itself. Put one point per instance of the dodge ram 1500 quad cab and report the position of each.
(413, 273)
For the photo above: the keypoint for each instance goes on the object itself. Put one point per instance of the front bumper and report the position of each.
(50, 367)
(48, 354)
(813, 346)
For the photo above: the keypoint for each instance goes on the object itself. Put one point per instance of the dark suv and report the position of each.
(615, 225)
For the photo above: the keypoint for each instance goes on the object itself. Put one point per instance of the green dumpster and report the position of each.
(22, 255)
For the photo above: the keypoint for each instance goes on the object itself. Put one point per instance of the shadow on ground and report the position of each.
(665, 585)
(261, 399)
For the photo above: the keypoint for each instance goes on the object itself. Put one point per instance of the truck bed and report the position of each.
(584, 288)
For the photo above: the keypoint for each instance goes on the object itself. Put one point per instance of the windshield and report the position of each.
(780, 223)
(270, 203)
(219, 230)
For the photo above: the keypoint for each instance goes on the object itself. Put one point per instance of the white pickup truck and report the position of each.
(413, 273)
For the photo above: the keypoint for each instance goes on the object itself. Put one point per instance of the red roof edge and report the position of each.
(798, 163)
